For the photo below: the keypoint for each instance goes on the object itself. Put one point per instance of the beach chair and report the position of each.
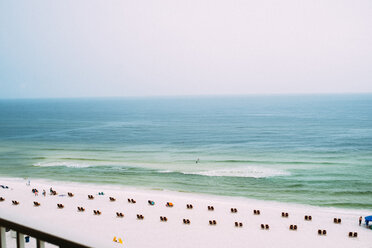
(36, 204)
(59, 205)
(70, 194)
(238, 224)
(265, 226)
(186, 221)
(112, 199)
(169, 204)
(15, 202)
(210, 208)
(2, 199)
(119, 214)
(152, 203)
(211, 222)
(189, 206)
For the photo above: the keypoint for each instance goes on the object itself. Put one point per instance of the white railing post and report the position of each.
(2, 237)
(20, 240)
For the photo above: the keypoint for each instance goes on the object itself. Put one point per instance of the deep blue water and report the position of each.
(312, 149)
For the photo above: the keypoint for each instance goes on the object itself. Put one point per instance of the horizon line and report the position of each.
(186, 95)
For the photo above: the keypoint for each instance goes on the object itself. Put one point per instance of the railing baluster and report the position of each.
(20, 240)
(2, 237)
(40, 243)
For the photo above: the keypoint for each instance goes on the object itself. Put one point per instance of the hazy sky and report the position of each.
(85, 48)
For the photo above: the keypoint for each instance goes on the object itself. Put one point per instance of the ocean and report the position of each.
(308, 149)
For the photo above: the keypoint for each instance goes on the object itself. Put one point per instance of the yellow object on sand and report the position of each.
(115, 239)
(120, 241)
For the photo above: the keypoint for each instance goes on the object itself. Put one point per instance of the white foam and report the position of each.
(60, 164)
(254, 172)
(166, 171)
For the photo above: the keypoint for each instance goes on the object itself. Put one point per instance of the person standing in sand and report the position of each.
(360, 220)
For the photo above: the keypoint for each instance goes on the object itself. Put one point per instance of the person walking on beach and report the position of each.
(360, 220)
(44, 193)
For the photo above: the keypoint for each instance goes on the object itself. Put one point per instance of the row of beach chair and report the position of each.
(188, 206)
(187, 221)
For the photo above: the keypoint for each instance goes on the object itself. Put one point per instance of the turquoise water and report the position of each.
(311, 149)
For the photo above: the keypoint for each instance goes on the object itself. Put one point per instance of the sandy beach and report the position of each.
(100, 230)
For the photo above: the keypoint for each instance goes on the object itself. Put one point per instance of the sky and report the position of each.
(93, 48)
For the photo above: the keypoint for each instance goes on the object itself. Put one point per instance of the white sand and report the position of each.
(98, 231)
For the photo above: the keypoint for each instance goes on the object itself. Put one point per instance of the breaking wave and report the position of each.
(62, 164)
(252, 172)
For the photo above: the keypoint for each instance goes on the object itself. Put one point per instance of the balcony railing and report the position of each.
(41, 237)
